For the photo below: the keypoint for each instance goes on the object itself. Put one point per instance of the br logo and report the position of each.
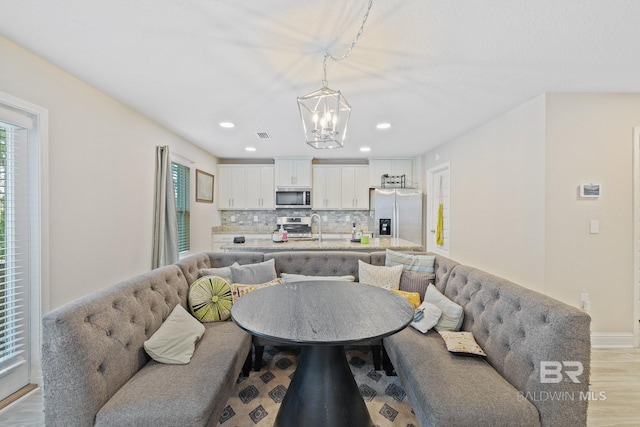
(554, 372)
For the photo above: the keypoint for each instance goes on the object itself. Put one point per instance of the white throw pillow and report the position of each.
(175, 341)
(385, 277)
(452, 313)
(289, 278)
(430, 316)
(224, 272)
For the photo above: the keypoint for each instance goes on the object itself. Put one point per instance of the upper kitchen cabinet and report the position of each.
(395, 167)
(355, 187)
(231, 187)
(326, 187)
(260, 189)
(293, 172)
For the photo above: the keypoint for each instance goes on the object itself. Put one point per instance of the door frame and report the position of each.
(636, 235)
(431, 201)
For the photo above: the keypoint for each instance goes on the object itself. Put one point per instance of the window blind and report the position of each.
(14, 240)
(181, 175)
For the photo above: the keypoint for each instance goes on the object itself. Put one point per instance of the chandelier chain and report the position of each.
(327, 54)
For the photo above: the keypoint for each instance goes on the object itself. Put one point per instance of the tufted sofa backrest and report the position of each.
(518, 329)
(318, 263)
(96, 342)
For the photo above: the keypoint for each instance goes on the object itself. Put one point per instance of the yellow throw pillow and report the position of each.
(412, 297)
(210, 299)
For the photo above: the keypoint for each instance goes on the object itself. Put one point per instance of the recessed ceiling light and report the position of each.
(383, 125)
(365, 149)
(250, 149)
(227, 125)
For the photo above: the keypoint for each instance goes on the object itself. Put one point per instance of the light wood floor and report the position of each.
(615, 375)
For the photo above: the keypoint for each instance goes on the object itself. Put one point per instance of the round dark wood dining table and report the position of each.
(322, 317)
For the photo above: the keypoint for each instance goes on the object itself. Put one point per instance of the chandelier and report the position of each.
(325, 112)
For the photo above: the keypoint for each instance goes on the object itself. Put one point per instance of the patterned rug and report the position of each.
(255, 399)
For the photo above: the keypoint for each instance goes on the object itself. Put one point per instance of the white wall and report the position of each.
(101, 177)
(589, 139)
(515, 206)
(497, 196)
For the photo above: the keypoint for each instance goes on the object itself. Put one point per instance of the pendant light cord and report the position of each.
(327, 54)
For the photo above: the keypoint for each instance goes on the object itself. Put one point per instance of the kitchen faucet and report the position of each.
(319, 225)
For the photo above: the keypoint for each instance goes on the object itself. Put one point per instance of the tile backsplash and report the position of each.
(265, 221)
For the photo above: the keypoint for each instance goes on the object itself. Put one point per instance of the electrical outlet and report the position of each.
(325, 218)
(585, 303)
(232, 218)
(347, 218)
(255, 218)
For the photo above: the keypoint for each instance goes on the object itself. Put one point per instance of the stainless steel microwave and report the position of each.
(293, 198)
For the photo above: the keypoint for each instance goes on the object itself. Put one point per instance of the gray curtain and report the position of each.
(165, 222)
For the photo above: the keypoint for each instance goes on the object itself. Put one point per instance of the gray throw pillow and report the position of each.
(452, 313)
(224, 272)
(412, 281)
(254, 274)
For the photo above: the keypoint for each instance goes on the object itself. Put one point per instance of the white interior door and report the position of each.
(439, 187)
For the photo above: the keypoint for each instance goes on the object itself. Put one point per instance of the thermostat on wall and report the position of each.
(590, 190)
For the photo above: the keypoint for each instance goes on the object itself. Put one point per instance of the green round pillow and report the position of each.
(210, 299)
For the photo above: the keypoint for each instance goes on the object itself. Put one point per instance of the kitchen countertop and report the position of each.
(327, 244)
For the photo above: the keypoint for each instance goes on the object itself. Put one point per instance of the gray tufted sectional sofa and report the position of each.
(96, 372)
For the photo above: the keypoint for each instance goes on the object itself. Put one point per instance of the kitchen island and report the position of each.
(327, 244)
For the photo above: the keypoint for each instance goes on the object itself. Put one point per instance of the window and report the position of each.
(181, 175)
(14, 250)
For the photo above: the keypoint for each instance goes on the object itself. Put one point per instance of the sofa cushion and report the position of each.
(253, 274)
(411, 262)
(412, 281)
(412, 297)
(445, 389)
(452, 313)
(175, 340)
(288, 278)
(386, 277)
(429, 318)
(182, 395)
(238, 290)
(224, 272)
(210, 299)
(461, 343)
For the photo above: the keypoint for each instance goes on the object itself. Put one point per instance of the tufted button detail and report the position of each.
(101, 368)
(109, 332)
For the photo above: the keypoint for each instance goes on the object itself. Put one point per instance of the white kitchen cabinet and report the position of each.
(231, 187)
(400, 166)
(260, 192)
(355, 187)
(326, 187)
(293, 172)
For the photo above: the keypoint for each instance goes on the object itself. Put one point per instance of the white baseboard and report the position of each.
(612, 339)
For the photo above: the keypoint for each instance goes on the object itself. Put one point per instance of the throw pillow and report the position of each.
(452, 313)
(419, 263)
(288, 278)
(412, 281)
(210, 299)
(254, 274)
(461, 342)
(224, 272)
(239, 290)
(385, 277)
(175, 341)
(429, 318)
(412, 297)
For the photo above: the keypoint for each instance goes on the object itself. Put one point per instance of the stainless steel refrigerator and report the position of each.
(397, 213)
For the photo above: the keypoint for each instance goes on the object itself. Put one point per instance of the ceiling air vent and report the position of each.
(263, 135)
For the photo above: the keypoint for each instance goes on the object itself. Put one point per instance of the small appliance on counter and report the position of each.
(296, 227)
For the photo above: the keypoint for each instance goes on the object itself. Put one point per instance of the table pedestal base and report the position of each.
(323, 392)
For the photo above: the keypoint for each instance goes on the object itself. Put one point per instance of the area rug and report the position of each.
(255, 399)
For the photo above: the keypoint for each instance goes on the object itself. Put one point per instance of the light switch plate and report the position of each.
(594, 226)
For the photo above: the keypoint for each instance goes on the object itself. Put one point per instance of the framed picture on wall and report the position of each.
(590, 190)
(204, 187)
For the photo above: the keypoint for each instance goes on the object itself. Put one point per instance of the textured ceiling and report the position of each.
(434, 69)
